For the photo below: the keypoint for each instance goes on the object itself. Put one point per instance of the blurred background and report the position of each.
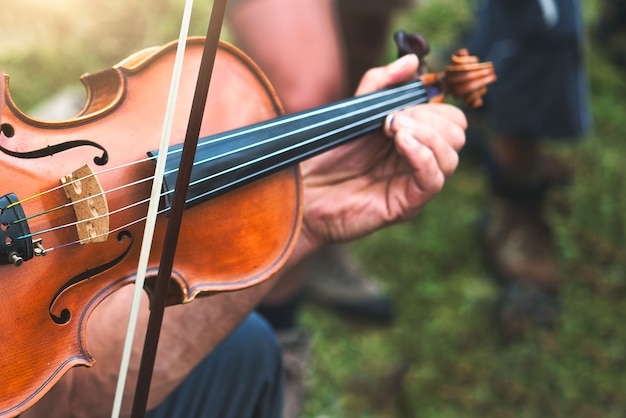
(442, 356)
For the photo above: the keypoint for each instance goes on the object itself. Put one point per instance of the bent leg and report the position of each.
(298, 46)
(242, 377)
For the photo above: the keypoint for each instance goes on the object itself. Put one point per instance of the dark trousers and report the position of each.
(243, 377)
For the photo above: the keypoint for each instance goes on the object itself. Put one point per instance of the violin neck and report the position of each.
(231, 159)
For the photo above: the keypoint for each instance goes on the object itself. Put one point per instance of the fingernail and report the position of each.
(388, 127)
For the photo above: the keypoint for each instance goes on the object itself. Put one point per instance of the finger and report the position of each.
(447, 111)
(450, 132)
(450, 112)
(445, 156)
(443, 138)
(428, 178)
(403, 69)
(447, 119)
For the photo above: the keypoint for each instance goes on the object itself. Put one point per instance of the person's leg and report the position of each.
(517, 239)
(337, 281)
(299, 45)
(365, 26)
(540, 96)
(520, 242)
(242, 377)
(610, 30)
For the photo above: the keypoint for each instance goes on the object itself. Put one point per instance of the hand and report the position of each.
(383, 178)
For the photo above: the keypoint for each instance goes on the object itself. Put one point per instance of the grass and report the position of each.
(441, 357)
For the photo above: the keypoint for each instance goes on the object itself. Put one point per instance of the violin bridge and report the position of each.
(83, 189)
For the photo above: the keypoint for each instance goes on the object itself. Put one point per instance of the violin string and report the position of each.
(232, 183)
(93, 218)
(376, 96)
(112, 231)
(84, 199)
(60, 186)
(227, 136)
(249, 130)
(311, 140)
(310, 127)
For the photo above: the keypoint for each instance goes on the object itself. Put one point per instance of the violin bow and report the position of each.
(159, 297)
(166, 264)
(150, 224)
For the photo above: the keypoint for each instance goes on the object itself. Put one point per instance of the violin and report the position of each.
(74, 194)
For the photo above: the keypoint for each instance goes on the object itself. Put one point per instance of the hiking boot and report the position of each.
(556, 171)
(335, 280)
(518, 244)
(296, 347)
(519, 249)
(522, 307)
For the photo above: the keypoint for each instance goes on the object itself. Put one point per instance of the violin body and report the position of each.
(231, 242)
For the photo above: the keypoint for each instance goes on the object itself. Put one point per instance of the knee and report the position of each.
(263, 348)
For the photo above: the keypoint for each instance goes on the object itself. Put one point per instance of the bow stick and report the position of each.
(159, 297)
(159, 300)
(152, 211)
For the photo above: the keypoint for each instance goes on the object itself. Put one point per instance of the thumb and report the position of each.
(400, 70)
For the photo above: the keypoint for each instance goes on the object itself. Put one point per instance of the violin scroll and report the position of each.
(466, 78)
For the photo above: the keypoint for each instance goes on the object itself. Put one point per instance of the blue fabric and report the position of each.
(541, 91)
(242, 378)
